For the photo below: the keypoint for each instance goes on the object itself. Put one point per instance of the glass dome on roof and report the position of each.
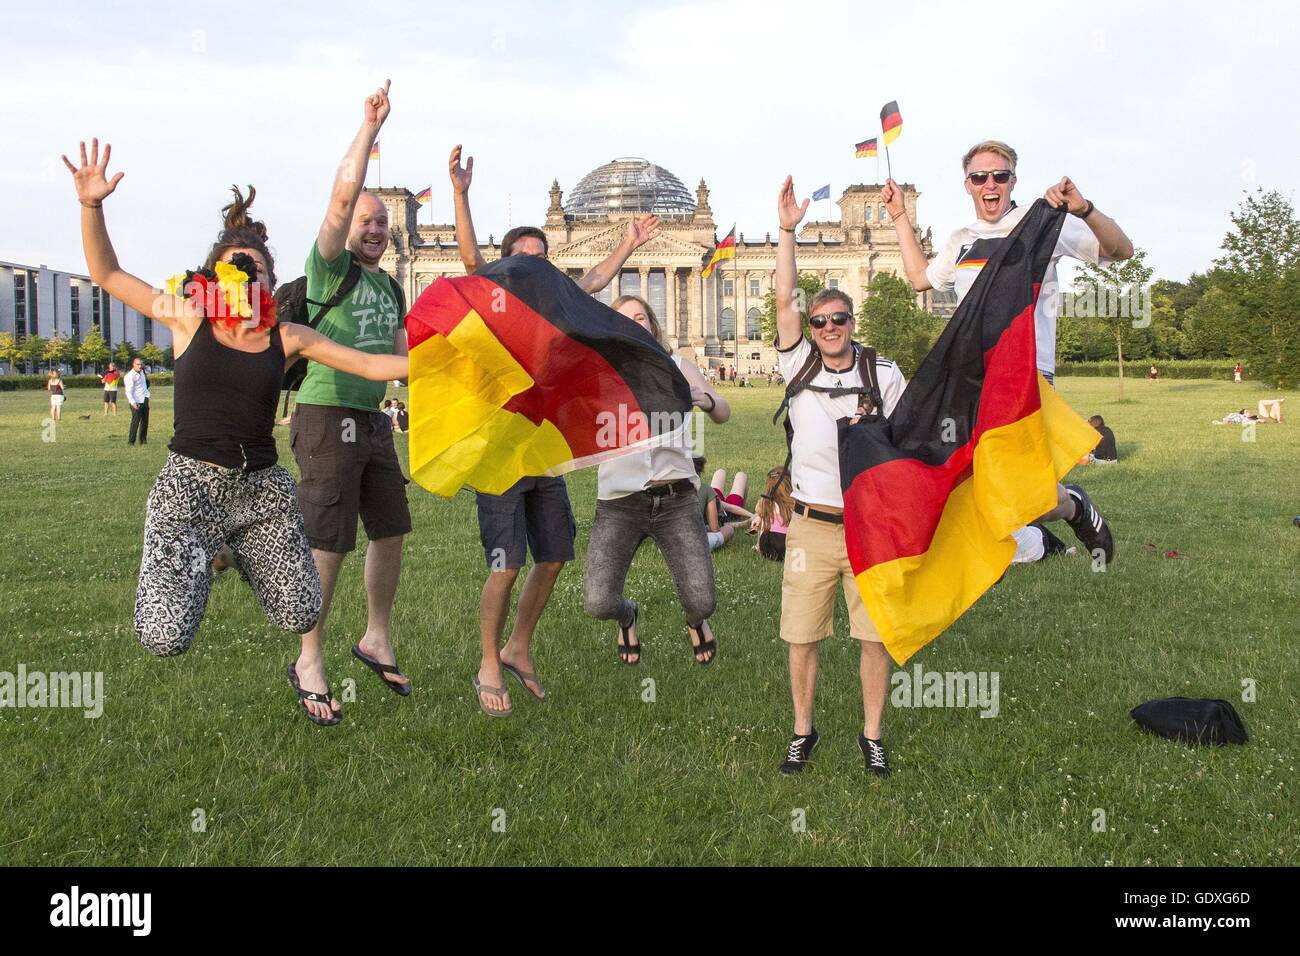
(629, 185)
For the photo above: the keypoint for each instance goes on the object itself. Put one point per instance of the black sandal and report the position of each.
(709, 647)
(402, 690)
(625, 646)
(306, 695)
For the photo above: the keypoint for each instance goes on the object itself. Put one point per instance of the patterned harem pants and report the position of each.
(193, 509)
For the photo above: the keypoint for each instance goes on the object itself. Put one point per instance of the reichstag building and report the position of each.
(714, 319)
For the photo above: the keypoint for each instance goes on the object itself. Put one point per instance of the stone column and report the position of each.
(645, 283)
(672, 323)
(694, 306)
(711, 291)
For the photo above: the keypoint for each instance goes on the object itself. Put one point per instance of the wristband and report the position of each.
(712, 405)
(90, 205)
(1087, 210)
(784, 229)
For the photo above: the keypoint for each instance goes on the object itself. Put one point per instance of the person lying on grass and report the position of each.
(220, 483)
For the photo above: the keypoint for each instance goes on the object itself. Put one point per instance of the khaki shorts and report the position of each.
(816, 566)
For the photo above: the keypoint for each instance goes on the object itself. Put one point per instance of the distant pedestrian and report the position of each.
(1154, 374)
(54, 385)
(1236, 372)
(136, 384)
(401, 419)
(113, 378)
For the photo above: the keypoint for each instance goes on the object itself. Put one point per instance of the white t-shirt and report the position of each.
(669, 461)
(815, 458)
(958, 265)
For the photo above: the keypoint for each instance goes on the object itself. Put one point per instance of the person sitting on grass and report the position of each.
(1270, 409)
(731, 507)
(1106, 450)
(220, 483)
(718, 529)
(772, 515)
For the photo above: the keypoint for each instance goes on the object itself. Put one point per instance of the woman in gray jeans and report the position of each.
(653, 494)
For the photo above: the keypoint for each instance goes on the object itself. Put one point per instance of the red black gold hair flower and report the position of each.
(228, 294)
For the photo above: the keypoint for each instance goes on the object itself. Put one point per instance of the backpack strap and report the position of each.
(399, 295)
(811, 366)
(350, 280)
(870, 381)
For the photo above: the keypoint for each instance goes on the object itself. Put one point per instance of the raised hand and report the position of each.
(461, 176)
(1066, 193)
(789, 210)
(641, 229)
(892, 197)
(377, 105)
(91, 179)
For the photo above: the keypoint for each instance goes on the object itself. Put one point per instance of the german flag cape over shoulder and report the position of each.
(515, 371)
(972, 452)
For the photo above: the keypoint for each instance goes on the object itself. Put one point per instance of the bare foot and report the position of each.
(489, 675)
(311, 677)
(378, 647)
(523, 664)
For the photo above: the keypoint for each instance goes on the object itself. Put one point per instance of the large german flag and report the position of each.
(972, 452)
(515, 371)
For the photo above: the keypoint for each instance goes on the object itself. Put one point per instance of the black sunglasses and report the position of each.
(1000, 176)
(839, 318)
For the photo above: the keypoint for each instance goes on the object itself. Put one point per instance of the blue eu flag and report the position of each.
(823, 193)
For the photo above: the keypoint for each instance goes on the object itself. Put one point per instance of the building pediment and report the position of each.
(603, 242)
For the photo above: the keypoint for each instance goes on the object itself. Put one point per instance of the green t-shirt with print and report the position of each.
(366, 320)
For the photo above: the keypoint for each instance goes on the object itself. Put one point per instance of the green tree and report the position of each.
(93, 349)
(807, 287)
(894, 325)
(58, 350)
(124, 353)
(10, 353)
(1259, 276)
(169, 357)
(33, 347)
(1108, 295)
(151, 354)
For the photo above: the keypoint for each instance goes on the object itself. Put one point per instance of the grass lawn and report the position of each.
(598, 775)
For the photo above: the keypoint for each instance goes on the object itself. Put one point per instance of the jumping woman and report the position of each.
(653, 494)
(221, 484)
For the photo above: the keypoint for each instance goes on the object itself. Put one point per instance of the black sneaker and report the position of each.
(874, 752)
(1089, 526)
(801, 749)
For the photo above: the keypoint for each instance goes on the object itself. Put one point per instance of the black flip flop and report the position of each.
(525, 677)
(625, 648)
(304, 695)
(401, 690)
(709, 647)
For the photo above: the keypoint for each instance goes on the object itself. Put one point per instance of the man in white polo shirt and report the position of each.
(816, 559)
(1088, 235)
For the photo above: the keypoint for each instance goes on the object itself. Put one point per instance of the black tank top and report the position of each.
(225, 401)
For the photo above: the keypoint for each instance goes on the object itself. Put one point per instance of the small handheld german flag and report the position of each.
(866, 149)
(726, 249)
(891, 122)
(424, 196)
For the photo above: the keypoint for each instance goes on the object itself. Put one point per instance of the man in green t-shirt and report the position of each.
(342, 441)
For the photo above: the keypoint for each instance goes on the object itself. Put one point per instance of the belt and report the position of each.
(802, 509)
(682, 486)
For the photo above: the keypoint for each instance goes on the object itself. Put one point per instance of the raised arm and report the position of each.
(466, 241)
(351, 178)
(914, 261)
(790, 213)
(705, 398)
(305, 342)
(93, 187)
(1111, 240)
(640, 230)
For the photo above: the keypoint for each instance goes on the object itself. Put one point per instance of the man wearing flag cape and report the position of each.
(1088, 234)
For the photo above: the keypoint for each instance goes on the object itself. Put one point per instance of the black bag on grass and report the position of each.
(1192, 720)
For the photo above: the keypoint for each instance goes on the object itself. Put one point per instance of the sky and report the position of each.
(1164, 114)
